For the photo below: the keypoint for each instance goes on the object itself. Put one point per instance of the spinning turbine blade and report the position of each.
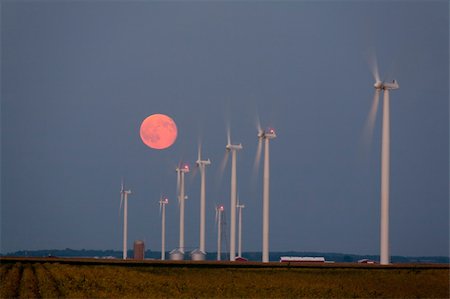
(223, 164)
(224, 161)
(217, 215)
(258, 152)
(375, 73)
(121, 203)
(193, 175)
(257, 157)
(121, 198)
(371, 118)
(258, 124)
(178, 185)
(259, 148)
(373, 64)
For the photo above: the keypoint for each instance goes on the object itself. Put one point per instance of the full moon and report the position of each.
(158, 131)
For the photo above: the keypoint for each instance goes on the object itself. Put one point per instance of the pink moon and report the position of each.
(158, 131)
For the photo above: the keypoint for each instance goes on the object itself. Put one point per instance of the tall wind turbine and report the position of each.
(162, 209)
(202, 166)
(124, 198)
(240, 206)
(233, 148)
(385, 166)
(219, 211)
(181, 198)
(265, 135)
(385, 154)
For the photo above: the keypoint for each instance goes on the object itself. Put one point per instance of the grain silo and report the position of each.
(198, 255)
(176, 255)
(139, 249)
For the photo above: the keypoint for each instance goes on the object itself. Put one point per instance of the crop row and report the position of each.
(25, 280)
(55, 280)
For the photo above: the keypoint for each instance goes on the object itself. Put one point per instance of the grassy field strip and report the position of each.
(63, 280)
(215, 264)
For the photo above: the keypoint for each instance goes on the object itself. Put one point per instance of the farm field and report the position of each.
(70, 278)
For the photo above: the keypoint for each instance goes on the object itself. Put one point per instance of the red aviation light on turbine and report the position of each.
(185, 167)
(221, 208)
(163, 201)
(270, 133)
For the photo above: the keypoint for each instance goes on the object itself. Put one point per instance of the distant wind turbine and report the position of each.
(240, 206)
(124, 199)
(181, 199)
(385, 159)
(219, 211)
(233, 148)
(162, 210)
(202, 167)
(265, 135)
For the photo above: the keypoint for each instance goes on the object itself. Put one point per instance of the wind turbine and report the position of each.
(181, 198)
(124, 198)
(202, 166)
(265, 135)
(385, 160)
(233, 148)
(162, 209)
(219, 211)
(240, 207)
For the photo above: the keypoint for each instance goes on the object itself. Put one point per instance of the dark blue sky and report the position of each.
(78, 78)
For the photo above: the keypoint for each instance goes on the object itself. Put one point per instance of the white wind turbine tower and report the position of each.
(240, 206)
(265, 135)
(124, 198)
(162, 209)
(181, 199)
(385, 161)
(202, 166)
(219, 211)
(233, 148)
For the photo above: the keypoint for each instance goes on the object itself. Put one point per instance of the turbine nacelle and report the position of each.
(386, 85)
(164, 201)
(234, 147)
(391, 85)
(183, 168)
(203, 162)
(270, 133)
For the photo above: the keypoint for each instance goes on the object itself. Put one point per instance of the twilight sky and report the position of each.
(79, 77)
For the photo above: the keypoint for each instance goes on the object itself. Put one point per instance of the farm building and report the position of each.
(302, 259)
